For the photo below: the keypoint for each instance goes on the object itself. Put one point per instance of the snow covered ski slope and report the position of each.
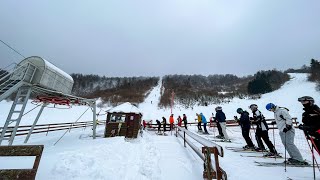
(154, 157)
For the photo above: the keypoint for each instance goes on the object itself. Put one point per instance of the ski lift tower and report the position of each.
(50, 85)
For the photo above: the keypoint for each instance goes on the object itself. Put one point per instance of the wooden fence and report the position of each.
(46, 128)
(21, 174)
(229, 123)
(208, 148)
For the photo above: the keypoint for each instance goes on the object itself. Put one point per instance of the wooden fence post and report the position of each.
(218, 171)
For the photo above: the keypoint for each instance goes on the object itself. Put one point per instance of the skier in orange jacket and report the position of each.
(171, 120)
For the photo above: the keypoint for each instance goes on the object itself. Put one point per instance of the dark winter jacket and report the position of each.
(158, 122)
(220, 116)
(184, 119)
(311, 118)
(260, 121)
(164, 120)
(244, 120)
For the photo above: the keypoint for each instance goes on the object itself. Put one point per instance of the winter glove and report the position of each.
(287, 128)
(235, 117)
(273, 123)
(305, 128)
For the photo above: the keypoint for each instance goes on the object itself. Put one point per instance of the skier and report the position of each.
(262, 131)
(179, 121)
(199, 122)
(221, 119)
(171, 120)
(204, 121)
(185, 121)
(220, 135)
(245, 125)
(286, 132)
(159, 126)
(311, 121)
(164, 122)
(144, 124)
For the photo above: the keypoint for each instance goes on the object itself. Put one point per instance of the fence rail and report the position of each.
(229, 123)
(46, 128)
(209, 147)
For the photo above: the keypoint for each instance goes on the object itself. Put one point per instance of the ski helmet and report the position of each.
(218, 108)
(306, 98)
(239, 110)
(253, 107)
(270, 106)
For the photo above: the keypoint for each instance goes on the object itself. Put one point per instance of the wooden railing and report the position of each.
(46, 128)
(229, 123)
(12, 151)
(208, 147)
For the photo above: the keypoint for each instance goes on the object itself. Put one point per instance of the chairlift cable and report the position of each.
(70, 127)
(12, 48)
(32, 109)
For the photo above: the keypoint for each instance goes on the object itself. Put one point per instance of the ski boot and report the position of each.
(271, 154)
(246, 147)
(260, 150)
(296, 162)
(220, 137)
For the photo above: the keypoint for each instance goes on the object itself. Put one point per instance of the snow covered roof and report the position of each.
(125, 108)
(55, 68)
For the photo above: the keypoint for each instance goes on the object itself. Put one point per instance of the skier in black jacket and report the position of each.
(164, 122)
(185, 121)
(159, 126)
(262, 131)
(245, 125)
(311, 120)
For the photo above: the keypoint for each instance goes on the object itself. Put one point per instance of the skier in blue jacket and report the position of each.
(204, 121)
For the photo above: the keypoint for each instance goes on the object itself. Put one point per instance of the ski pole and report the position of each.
(285, 151)
(314, 171)
(274, 141)
(311, 149)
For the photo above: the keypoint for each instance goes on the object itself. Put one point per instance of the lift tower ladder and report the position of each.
(19, 104)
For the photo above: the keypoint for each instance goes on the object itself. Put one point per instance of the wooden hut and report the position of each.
(123, 120)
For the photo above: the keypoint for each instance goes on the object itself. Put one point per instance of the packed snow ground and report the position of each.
(78, 156)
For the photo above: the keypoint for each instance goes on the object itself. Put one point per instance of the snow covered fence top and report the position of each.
(125, 108)
(203, 141)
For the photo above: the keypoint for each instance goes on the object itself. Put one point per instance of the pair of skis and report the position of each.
(240, 149)
(272, 164)
(258, 156)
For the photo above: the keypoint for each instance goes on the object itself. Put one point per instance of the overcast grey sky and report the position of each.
(158, 37)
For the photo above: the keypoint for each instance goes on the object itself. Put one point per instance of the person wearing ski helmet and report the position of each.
(221, 119)
(220, 135)
(262, 131)
(311, 120)
(171, 121)
(204, 121)
(286, 132)
(185, 121)
(199, 122)
(245, 125)
(159, 126)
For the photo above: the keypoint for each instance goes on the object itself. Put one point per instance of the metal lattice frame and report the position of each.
(21, 83)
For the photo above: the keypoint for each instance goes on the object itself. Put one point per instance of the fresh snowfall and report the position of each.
(78, 156)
